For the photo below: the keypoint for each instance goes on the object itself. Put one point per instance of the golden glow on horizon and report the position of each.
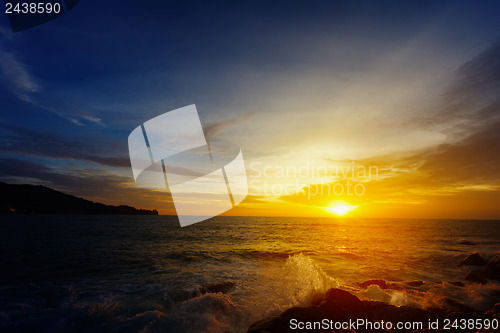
(340, 208)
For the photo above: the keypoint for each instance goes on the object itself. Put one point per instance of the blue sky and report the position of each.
(284, 80)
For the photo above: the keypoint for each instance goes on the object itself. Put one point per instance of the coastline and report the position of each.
(338, 310)
(136, 273)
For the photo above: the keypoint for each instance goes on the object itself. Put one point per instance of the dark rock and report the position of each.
(467, 243)
(316, 298)
(475, 277)
(381, 283)
(414, 283)
(269, 325)
(311, 313)
(494, 313)
(494, 262)
(404, 313)
(457, 306)
(341, 304)
(456, 283)
(395, 286)
(374, 306)
(492, 270)
(473, 260)
(379, 310)
(222, 287)
(281, 323)
(336, 304)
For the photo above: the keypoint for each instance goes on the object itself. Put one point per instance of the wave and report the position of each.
(479, 297)
(209, 307)
(216, 306)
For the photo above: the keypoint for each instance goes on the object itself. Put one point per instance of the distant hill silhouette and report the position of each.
(34, 199)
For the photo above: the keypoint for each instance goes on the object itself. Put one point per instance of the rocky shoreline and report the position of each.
(339, 307)
(338, 310)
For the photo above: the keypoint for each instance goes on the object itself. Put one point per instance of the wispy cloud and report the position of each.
(472, 101)
(92, 119)
(27, 142)
(16, 77)
(214, 129)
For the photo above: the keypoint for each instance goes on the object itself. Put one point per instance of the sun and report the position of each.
(340, 208)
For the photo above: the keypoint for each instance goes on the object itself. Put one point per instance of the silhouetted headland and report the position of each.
(35, 199)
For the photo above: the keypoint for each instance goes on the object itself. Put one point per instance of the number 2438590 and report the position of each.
(32, 8)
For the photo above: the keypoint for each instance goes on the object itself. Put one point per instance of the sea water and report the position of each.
(144, 273)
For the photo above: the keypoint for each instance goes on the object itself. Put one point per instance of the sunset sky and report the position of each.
(406, 94)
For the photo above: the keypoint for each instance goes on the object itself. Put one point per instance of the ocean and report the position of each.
(146, 274)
